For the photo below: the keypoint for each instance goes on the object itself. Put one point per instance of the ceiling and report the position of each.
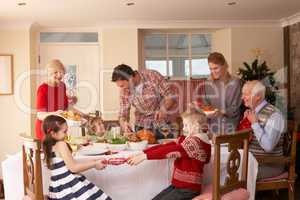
(94, 12)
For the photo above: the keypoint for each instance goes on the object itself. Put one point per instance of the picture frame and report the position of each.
(6, 74)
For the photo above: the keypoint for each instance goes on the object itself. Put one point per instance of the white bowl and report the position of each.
(210, 112)
(138, 146)
(73, 123)
(100, 145)
(117, 147)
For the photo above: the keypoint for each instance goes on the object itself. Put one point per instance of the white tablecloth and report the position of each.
(122, 182)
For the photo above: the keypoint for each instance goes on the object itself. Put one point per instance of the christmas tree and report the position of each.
(260, 71)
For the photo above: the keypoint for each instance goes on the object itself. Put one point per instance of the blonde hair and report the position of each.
(256, 87)
(194, 116)
(55, 64)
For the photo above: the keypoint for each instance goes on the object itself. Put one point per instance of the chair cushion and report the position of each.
(284, 175)
(27, 198)
(238, 194)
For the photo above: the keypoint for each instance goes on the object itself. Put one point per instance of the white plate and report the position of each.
(117, 147)
(138, 146)
(92, 151)
(209, 112)
(100, 145)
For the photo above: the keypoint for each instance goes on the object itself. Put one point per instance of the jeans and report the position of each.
(173, 193)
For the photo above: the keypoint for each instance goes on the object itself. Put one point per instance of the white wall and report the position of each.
(269, 39)
(117, 46)
(237, 45)
(13, 120)
(221, 42)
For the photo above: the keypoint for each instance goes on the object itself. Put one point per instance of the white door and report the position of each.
(86, 59)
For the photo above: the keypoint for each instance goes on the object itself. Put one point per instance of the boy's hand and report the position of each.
(137, 159)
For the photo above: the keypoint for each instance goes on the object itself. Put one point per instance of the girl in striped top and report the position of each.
(66, 181)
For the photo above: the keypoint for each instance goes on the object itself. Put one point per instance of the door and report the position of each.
(85, 58)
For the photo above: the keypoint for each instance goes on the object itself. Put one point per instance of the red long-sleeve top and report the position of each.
(49, 99)
(191, 154)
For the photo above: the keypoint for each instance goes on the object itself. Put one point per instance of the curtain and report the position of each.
(294, 50)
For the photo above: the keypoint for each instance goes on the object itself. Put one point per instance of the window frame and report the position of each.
(167, 56)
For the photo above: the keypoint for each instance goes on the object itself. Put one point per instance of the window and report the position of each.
(76, 37)
(178, 55)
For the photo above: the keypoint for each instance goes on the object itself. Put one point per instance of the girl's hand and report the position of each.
(137, 159)
(99, 164)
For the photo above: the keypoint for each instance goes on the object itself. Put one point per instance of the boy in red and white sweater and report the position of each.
(192, 151)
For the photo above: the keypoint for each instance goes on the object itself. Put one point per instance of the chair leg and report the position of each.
(291, 191)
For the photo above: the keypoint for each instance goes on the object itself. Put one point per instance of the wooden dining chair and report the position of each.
(286, 180)
(235, 186)
(32, 169)
(1, 189)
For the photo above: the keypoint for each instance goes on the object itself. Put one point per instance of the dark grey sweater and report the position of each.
(227, 98)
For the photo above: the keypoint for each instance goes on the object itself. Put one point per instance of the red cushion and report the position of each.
(238, 194)
(284, 175)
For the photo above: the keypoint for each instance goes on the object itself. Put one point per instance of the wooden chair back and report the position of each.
(32, 169)
(233, 180)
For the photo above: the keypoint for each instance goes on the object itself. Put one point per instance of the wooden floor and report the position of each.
(283, 195)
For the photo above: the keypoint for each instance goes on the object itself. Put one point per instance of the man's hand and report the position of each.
(159, 116)
(251, 116)
(137, 159)
(126, 127)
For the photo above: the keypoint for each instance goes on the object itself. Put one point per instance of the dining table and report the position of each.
(122, 182)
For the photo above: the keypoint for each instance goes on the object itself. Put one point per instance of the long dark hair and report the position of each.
(51, 123)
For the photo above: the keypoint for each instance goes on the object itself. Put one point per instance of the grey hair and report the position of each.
(257, 88)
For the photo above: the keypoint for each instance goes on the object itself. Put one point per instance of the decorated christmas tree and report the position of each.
(260, 71)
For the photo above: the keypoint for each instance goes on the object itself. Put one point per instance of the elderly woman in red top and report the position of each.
(51, 95)
(192, 151)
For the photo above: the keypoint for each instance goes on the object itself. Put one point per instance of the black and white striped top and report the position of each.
(64, 185)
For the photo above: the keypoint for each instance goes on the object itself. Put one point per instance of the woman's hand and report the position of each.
(214, 114)
(72, 100)
(137, 159)
(59, 112)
